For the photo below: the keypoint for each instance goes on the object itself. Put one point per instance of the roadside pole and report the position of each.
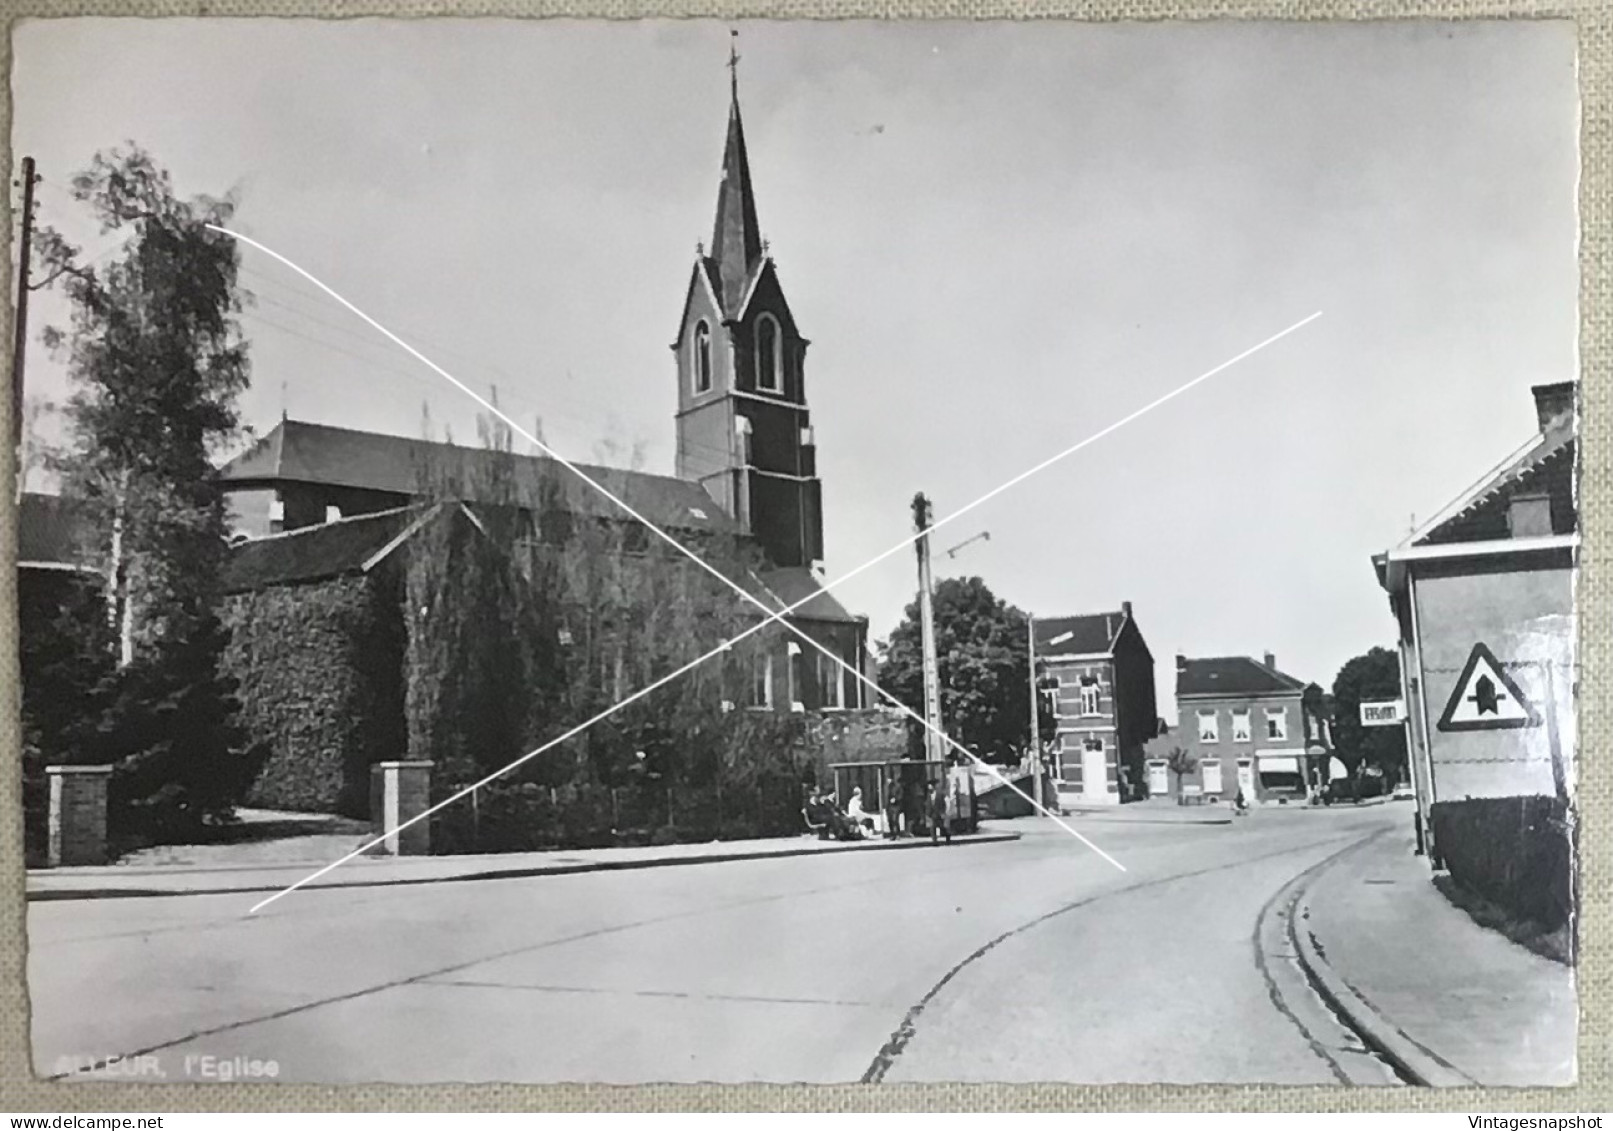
(934, 751)
(1036, 718)
(20, 346)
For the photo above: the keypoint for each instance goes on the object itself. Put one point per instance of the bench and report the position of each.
(1192, 795)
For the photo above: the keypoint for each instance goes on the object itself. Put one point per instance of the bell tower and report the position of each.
(744, 431)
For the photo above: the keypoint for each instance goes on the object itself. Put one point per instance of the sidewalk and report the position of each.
(1165, 810)
(1450, 1002)
(1155, 811)
(125, 881)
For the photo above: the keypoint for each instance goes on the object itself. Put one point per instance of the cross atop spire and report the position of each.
(736, 242)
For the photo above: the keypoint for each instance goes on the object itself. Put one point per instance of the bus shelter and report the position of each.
(909, 783)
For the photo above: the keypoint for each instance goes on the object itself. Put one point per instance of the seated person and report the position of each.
(856, 813)
(820, 814)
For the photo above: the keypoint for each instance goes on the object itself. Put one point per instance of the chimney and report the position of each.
(1271, 661)
(1125, 609)
(1181, 663)
(1552, 401)
(1529, 516)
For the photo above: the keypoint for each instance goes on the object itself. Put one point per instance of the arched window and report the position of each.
(702, 358)
(769, 355)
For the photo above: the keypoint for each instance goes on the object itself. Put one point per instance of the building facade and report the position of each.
(1101, 675)
(1244, 728)
(1483, 596)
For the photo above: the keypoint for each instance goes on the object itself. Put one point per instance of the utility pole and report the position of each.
(20, 348)
(932, 672)
(1036, 718)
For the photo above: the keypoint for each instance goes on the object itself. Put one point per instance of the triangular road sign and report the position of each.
(1487, 698)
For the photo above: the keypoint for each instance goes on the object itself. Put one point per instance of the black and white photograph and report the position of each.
(633, 552)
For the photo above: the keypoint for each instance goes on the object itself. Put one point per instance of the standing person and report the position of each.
(940, 818)
(893, 806)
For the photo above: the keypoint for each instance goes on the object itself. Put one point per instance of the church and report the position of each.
(319, 512)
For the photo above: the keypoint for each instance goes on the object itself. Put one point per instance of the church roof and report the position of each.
(299, 452)
(796, 586)
(736, 240)
(316, 553)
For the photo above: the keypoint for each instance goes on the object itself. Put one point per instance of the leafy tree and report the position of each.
(65, 657)
(1373, 675)
(1180, 763)
(157, 365)
(984, 665)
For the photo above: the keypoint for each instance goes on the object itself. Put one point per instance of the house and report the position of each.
(1101, 676)
(325, 520)
(1244, 726)
(1483, 595)
(55, 552)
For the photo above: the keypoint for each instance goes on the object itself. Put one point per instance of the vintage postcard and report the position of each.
(784, 552)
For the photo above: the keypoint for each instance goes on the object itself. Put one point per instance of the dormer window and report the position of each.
(769, 355)
(702, 358)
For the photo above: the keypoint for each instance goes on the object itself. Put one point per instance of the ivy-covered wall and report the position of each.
(321, 684)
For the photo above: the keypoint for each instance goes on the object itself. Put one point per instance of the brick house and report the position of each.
(1485, 592)
(1244, 726)
(1102, 677)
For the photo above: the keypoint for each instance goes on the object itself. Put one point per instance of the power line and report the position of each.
(518, 401)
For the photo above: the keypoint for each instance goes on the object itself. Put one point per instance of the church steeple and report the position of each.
(736, 242)
(744, 431)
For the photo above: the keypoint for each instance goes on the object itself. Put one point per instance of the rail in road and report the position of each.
(1031, 960)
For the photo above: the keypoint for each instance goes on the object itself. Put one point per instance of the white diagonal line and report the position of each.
(745, 594)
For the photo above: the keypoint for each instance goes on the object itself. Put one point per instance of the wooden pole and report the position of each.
(1036, 718)
(932, 673)
(20, 345)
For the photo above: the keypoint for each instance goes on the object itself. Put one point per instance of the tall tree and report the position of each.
(984, 661)
(1373, 675)
(157, 364)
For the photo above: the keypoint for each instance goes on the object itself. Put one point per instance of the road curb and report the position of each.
(518, 873)
(1376, 1031)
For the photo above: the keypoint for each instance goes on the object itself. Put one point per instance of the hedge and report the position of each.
(505, 816)
(1516, 852)
(320, 671)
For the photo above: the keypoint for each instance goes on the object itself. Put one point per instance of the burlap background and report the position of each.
(21, 1092)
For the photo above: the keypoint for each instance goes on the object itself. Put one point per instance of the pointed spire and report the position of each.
(736, 243)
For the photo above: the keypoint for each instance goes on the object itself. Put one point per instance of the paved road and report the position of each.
(1032, 960)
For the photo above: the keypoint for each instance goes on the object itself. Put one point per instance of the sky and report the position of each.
(1000, 238)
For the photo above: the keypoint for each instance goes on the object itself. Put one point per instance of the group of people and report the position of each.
(904, 812)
